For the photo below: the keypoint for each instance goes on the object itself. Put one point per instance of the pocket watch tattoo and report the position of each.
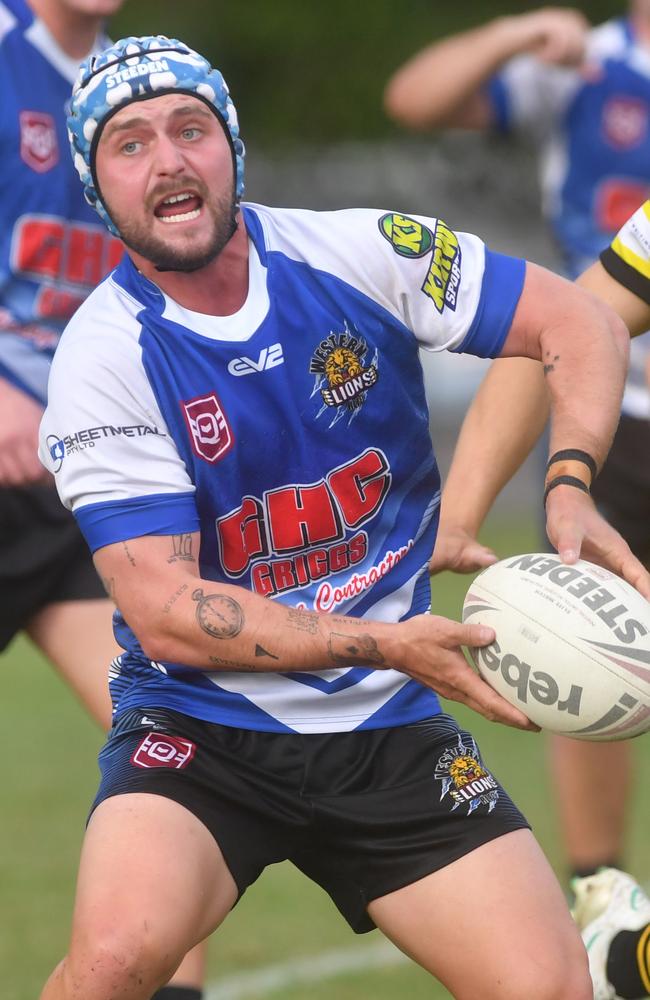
(218, 615)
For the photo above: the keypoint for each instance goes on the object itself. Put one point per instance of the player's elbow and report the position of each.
(158, 638)
(617, 330)
(621, 335)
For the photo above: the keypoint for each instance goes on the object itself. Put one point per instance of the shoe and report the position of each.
(605, 904)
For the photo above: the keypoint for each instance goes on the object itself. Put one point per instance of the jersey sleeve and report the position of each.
(105, 440)
(627, 259)
(529, 96)
(454, 292)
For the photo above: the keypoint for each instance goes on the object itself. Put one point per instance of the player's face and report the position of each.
(165, 172)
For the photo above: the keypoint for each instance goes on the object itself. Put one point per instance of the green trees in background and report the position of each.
(314, 70)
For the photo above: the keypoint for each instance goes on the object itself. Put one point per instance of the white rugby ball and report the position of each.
(572, 647)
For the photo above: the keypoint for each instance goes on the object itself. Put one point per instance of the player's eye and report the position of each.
(190, 133)
(131, 147)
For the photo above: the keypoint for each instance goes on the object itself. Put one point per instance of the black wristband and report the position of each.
(566, 481)
(574, 455)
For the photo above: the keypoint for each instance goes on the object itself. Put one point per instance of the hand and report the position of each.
(576, 529)
(457, 550)
(558, 35)
(433, 656)
(20, 417)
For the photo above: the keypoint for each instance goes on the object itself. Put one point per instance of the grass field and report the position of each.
(49, 779)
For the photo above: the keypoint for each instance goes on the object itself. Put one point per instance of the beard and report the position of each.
(165, 256)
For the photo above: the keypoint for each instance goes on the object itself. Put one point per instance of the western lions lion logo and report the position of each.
(341, 377)
(464, 778)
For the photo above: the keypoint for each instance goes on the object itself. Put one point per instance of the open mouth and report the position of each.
(181, 207)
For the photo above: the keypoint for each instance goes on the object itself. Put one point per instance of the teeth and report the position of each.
(183, 217)
(176, 197)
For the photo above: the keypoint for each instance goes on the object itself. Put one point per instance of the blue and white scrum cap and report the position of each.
(137, 69)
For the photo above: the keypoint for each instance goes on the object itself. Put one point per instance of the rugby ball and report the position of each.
(572, 647)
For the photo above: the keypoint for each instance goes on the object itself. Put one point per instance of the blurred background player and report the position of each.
(53, 252)
(583, 96)
(506, 417)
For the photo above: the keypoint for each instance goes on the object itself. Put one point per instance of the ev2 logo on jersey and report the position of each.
(269, 357)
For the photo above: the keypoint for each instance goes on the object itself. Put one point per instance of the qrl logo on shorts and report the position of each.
(38, 143)
(209, 429)
(164, 751)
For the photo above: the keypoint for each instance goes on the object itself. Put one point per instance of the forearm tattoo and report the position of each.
(347, 649)
(218, 615)
(237, 665)
(128, 554)
(109, 586)
(260, 651)
(549, 363)
(174, 597)
(302, 621)
(181, 549)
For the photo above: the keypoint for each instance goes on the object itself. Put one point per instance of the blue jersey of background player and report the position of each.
(592, 125)
(53, 251)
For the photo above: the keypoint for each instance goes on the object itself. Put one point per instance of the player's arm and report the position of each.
(631, 307)
(510, 411)
(179, 617)
(584, 347)
(502, 425)
(443, 85)
(20, 416)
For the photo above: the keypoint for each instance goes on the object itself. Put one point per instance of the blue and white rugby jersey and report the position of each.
(293, 434)
(53, 249)
(593, 130)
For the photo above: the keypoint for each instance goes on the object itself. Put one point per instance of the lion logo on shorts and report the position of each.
(465, 769)
(464, 778)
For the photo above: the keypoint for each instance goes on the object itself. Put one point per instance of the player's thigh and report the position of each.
(493, 924)
(152, 883)
(77, 637)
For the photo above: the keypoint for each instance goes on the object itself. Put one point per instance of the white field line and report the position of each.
(303, 971)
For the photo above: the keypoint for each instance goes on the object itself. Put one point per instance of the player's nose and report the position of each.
(168, 158)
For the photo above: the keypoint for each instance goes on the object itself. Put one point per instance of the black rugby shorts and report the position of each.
(43, 557)
(361, 813)
(622, 489)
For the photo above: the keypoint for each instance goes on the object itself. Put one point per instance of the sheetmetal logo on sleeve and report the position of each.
(59, 447)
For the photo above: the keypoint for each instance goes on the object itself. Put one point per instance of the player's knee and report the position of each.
(116, 961)
(560, 977)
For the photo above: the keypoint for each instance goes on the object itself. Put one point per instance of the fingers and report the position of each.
(481, 698)
(457, 551)
(616, 555)
(464, 685)
(637, 575)
(574, 526)
(440, 664)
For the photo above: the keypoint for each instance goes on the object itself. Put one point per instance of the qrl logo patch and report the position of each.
(38, 143)
(625, 122)
(164, 751)
(209, 429)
